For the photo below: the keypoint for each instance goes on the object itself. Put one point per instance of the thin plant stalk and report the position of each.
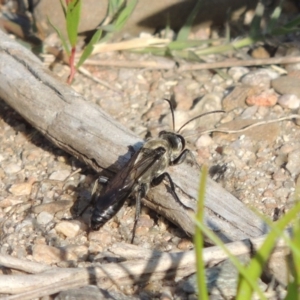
(198, 238)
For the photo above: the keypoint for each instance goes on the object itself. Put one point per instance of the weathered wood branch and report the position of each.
(141, 265)
(84, 130)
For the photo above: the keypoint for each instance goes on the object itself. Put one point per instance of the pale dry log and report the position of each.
(22, 265)
(84, 130)
(142, 265)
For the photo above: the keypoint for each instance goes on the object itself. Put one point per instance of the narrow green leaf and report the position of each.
(114, 6)
(292, 291)
(256, 265)
(63, 7)
(198, 238)
(72, 19)
(124, 15)
(108, 27)
(284, 31)
(255, 29)
(180, 45)
(185, 30)
(292, 24)
(153, 50)
(241, 269)
(89, 47)
(295, 268)
(61, 37)
(274, 18)
(168, 26)
(289, 242)
(296, 255)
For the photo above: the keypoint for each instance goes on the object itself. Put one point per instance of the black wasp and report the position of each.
(144, 170)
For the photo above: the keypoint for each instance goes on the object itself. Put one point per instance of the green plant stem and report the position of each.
(198, 238)
(72, 65)
(256, 265)
(232, 46)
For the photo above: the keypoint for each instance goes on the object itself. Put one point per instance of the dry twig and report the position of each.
(153, 265)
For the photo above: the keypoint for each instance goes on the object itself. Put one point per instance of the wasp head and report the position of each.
(175, 141)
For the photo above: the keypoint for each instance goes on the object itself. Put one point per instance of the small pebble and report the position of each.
(289, 101)
(102, 236)
(265, 98)
(268, 193)
(52, 207)
(141, 230)
(280, 175)
(259, 78)
(70, 228)
(249, 112)
(238, 72)
(270, 202)
(183, 98)
(204, 141)
(95, 247)
(75, 252)
(260, 52)
(11, 168)
(60, 175)
(21, 189)
(44, 218)
(47, 254)
(286, 85)
(185, 244)
(293, 162)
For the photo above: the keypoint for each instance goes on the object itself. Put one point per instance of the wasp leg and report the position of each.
(140, 194)
(156, 181)
(131, 150)
(183, 156)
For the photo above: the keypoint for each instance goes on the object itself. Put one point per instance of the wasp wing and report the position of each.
(125, 181)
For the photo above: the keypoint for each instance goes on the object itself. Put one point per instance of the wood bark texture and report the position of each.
(140, 266)
(81, 128)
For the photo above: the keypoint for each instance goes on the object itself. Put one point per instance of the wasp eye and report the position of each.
(177, 142)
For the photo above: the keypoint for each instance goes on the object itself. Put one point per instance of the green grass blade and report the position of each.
(89, 47)
(114, 6)
(63, 8)
(274, 18)
(296, 255)
(292, 24)
(124, 15)
(256, 265)
(287, 28)
(181, 45)
(284, 31)
(255, 29)
(108, 28)
(241, 269)
(294, 284)
(198, 238)
(61, 37)
(223, 48)
(168, 27)
(289, 242)
(72, 19)
(185, 30)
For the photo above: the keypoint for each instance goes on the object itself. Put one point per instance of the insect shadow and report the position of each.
(145, 169)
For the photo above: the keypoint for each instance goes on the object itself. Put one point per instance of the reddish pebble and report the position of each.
(265, 98)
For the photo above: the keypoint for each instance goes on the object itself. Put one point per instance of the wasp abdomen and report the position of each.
(101, 216)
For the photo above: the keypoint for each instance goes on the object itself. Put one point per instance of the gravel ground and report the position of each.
(260, 166)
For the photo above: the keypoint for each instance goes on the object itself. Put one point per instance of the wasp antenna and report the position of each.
(172, 111)
(197, 117)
